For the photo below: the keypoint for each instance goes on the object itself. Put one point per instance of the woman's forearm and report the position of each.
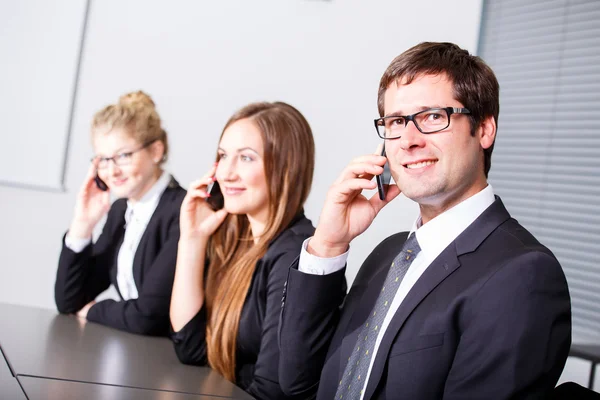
(188, 287)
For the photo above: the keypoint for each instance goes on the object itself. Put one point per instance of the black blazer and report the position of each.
(257, 350)
(490, 318)
(82, 276)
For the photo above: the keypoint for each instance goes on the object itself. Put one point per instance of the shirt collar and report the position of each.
(437, 234)
(144, 208)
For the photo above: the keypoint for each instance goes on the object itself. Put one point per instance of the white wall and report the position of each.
(39, 43)
(201, 61)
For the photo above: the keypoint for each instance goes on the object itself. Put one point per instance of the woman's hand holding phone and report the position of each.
(91, 205)
(347, 212)
(197, 218)
(197, 222)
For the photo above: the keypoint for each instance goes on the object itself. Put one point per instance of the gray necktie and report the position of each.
(355, 373)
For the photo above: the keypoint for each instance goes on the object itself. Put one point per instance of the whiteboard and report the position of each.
(40, 43)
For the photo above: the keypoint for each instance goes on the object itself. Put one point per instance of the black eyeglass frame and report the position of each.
(125, 153)
(407, 118)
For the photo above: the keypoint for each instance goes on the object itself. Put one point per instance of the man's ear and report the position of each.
(487, 132)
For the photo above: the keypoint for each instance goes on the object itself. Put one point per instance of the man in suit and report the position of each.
(468, 304)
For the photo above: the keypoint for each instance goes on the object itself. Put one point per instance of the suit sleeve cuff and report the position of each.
(313, 265)
(76, 245)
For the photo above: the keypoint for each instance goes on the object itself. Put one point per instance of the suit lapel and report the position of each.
(118, 234)
(444, 265)
(364, 293)
(364, 303)
(440, 269)
(151, 231)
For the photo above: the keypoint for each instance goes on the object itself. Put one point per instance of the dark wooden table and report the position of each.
(9, 386)
(52, 353)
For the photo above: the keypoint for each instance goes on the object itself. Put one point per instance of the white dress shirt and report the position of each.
(433, 238)
(137, 216)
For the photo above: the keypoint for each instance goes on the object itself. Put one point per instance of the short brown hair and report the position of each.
(475, 84)
(136, 114)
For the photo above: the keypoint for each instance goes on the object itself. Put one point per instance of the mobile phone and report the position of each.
(383, 180)
(215, 200)
(100, 183)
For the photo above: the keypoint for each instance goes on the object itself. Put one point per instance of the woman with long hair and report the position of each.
(232, 263)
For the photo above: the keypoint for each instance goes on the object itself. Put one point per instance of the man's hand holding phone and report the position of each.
(198, 218)
(91, 205)
(347, 212)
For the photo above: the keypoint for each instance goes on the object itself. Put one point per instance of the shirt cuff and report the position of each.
(76, 245)
(311, 264)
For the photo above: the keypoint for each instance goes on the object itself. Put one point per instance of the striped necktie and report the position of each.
(355, 373)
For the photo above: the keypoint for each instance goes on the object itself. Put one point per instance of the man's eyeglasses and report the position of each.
(120, 159)
(427, 121)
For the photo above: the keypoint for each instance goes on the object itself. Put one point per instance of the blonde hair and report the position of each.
(289, 158)
(136, 114)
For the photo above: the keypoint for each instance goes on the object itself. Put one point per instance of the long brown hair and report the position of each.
(289, 157)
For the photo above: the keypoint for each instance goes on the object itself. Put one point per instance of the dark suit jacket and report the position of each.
(257, 350)
(82, 276)
(490, 318)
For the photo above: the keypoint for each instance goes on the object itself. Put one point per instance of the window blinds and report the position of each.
(546, 161)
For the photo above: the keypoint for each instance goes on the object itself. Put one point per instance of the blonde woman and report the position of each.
(137, 249)
(232, 263)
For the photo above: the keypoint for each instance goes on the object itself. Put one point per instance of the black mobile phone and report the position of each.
(100, 183)
(216, 200)
(383, 180)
